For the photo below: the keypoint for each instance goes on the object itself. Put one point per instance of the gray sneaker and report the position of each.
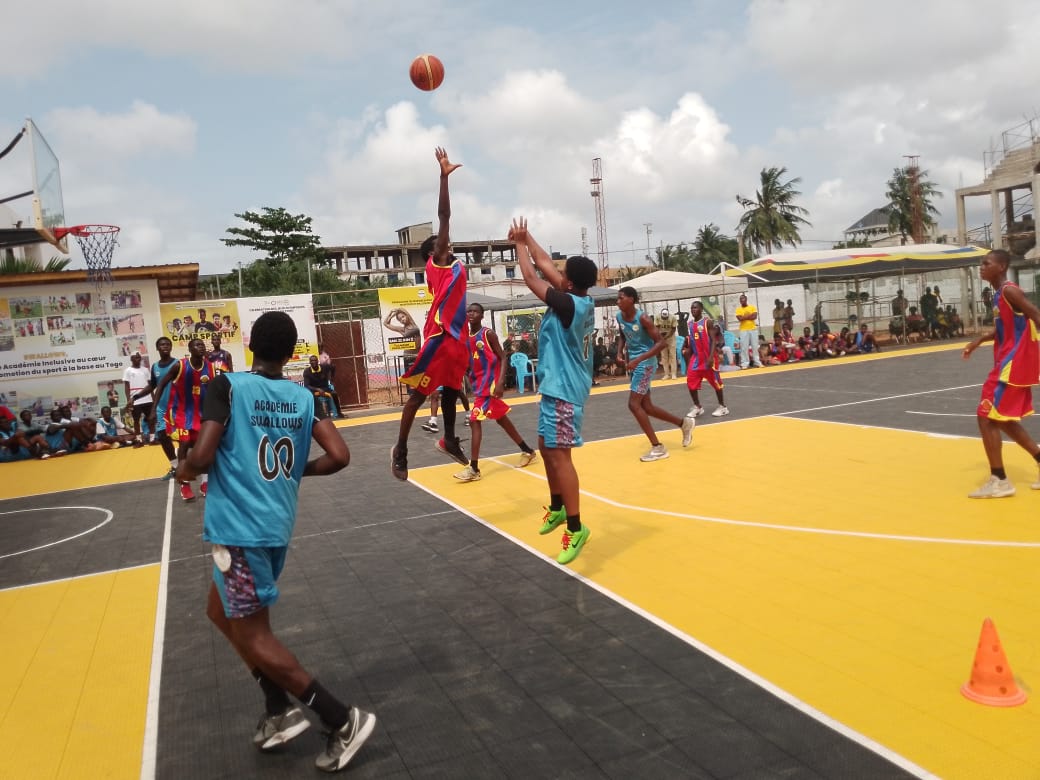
(687, 431)
(344, 743)
(657, 452)
(273, 731)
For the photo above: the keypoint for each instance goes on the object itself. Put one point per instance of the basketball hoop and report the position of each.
(97, 243)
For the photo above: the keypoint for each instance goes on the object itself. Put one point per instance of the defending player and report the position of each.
(443, 359)
(702, 361)
(1007, 394)
(487, 375)
(256, 433)
(158, 370)
(564, 377)
(642, 342)
(188, 381)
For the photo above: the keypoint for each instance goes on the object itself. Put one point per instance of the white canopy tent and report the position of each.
(677, 285)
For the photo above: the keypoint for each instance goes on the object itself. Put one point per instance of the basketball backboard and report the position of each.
(34, 156)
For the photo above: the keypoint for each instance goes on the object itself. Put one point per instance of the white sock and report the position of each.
(173, 463)
(204, 479)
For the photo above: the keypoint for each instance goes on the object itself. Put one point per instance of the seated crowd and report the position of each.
(24, 437)
(786, 348)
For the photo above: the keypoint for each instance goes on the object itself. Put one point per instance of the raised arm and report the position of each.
(440, 247)
(531, 256)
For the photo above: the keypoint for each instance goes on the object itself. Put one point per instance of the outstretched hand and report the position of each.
(518, 231)
(447, 166)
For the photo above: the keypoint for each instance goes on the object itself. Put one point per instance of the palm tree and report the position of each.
(772, 219)
(10, 265)
(713, 247)
(901, 202)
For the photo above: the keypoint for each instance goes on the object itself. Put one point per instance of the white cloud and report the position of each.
(85, 132)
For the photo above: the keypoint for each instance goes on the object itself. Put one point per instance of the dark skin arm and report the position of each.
(1018, 301)
(530, 256)
(171, 375)
(655, 350)
(440, 247)
(496, 348)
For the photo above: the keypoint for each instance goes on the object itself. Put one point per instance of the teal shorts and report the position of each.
(559, 423)
(251, 582)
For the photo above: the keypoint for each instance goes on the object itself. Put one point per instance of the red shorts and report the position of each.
(442, 362)
(487, 407)
(1001, 401)
(709, 375)
(183, 435)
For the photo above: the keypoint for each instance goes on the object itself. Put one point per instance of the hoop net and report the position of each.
(97, 243)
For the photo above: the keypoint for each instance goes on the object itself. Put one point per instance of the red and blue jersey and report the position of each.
(702, 358)
(187, 392)
(483, 364)
(1016, 352)
(448, 312)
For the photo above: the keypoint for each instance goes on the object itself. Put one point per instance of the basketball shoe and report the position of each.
(552, 519)
(275, 730)
(657, 452)
(994, 487)
(453, 450)
(573, 542)
(343, 743)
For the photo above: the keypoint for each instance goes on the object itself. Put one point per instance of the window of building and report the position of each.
(510, 272)
(420, 277)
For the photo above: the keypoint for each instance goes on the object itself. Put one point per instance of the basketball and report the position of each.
(427, 72)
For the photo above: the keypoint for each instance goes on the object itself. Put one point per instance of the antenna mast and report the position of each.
(601, 214)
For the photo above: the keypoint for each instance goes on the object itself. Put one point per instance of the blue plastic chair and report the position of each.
(679, 342)
(731, 341)
(522, 365)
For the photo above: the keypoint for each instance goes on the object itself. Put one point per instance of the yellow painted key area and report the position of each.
(852, 572)
(74, 677)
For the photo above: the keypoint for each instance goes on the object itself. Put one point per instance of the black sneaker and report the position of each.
(344, 743)
(453, 449)
(399, 463)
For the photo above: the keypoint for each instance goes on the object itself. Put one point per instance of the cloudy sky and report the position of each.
(170, 118)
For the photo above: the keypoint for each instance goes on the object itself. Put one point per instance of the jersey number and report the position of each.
(272, 458)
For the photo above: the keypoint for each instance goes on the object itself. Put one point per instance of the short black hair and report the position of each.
(273, 336)
(631, 292)
(581, 272)
(161, 339)
(426, 247)
(1002, 256)
(479, 306)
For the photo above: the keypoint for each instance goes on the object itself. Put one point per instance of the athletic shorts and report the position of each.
(7, 455)
(160, 419)
(251, 582)
(642, 375)
(709, 375)
(56, 441)
(183, 435)
(442, 361)
(488, 407)
(1001, 401)
(144, 410)
(559, 423)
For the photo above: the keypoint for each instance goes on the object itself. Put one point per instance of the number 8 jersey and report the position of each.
(255, 477)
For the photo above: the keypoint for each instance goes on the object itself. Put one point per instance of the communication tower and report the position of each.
(601, 214)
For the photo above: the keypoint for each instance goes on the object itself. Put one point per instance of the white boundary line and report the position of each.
(149, 750)
(729, 663)
(106, 521)
(76, 577)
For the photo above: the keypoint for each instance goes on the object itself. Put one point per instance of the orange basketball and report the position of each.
(427, 72)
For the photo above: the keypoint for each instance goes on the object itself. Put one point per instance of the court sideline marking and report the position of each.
(151, 724)
(784, 695)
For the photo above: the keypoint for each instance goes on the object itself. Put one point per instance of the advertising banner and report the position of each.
(300, 308)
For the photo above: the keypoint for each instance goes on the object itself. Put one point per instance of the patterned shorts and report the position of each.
(250, 584)
(559, 423)
(641, 377)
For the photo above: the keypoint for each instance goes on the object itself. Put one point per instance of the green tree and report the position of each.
(712, 247)
(856, 243)
(771, 218)
(901, 201)
(10, 265)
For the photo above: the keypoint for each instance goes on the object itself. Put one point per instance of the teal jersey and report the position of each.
(565, 354)
(255, 478)
(637, 340)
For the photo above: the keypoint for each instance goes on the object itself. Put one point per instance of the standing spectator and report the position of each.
(778, 315)
(789, 315)
(487, 375)
(564, 376)
(930, 312)
(249, 521)
(135, 380)
(1007, 395)
(747, 316)
(987, 306)
(642, 342)
(188, 381)
(666, 326)
(817, 319)
(900, 304)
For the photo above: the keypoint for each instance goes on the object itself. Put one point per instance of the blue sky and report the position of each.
(168, 119)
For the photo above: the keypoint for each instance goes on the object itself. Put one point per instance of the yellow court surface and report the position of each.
(82, 470)
(87, 643)
(852, 573)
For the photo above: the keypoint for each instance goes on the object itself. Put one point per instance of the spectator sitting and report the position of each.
(13, 445)
(85, 426)
(956, 323)
(764, 350)
(916, 324)
(316, 379)
(111, 432)
(599, 356)
(32, 433)
(727, 360)
(65, 436)
(830, 345)
(864, 342)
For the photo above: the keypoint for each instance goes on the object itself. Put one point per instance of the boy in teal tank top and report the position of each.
(564, 376)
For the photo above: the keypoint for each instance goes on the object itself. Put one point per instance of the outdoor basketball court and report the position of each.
(800, 593)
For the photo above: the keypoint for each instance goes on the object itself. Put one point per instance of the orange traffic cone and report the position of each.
(991, 679)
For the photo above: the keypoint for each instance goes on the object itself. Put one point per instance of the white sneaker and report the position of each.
(467, 475)
(722, 411)
(430, 427)
(1036, 485)
(657, 452)
(695, 411)
(687, 431)
(994, 487)
(527, 458)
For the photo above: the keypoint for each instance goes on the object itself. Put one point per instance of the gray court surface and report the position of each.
(480, 659)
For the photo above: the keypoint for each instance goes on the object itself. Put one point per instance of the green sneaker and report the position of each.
(552, 519)
(573, 541)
